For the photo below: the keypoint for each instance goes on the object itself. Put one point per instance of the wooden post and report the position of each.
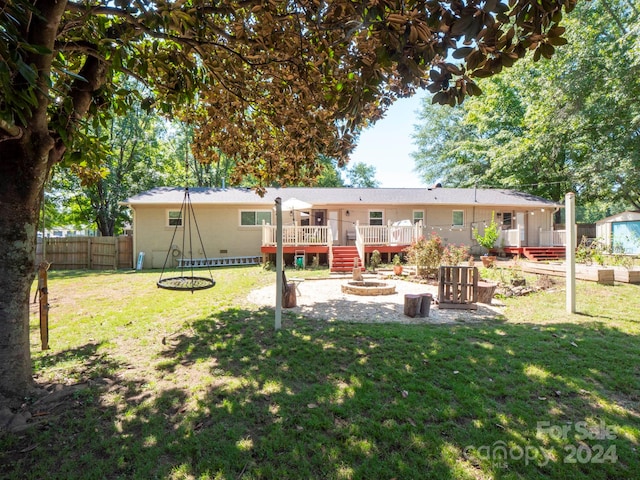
(570, 251)
(44, 304)
(88, 253)
(115, 252)
(279, 266)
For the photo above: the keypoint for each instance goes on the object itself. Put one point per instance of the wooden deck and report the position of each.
(342, 262)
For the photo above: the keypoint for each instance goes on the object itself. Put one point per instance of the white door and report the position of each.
(333, 224)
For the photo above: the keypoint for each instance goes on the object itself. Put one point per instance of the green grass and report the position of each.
(180, 385)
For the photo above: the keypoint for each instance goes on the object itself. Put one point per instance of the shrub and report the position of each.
(426, 254)
(490, 236)
(454, 255)
(375, 260)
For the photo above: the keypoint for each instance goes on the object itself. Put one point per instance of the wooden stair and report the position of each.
(343, 258)
(540, 254)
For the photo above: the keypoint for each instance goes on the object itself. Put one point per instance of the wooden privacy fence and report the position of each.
(93, 253)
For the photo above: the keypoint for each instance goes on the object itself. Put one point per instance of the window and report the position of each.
(507, 220)
(418, 216)
(254, 217)
(457, 218)
(375, 217)
(174, 218)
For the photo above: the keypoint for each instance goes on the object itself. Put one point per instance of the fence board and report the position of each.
(96, 253)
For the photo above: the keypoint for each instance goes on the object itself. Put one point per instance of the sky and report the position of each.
(388, 145)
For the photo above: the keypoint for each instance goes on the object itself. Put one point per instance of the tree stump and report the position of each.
(289, 296)
(486, 291)
(412, 304)
(357, 274)
(425, 304)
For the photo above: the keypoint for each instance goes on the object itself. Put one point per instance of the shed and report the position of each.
(621, 232)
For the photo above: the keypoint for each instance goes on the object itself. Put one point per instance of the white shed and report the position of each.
(621, 231)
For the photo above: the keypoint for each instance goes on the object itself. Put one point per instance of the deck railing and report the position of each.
(388, 234)
(373, 234)
(512, 237)
(360, 245)
(367, 235)
(294, 235)
(552, 238)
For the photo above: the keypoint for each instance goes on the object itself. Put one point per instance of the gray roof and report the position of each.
(345, 196)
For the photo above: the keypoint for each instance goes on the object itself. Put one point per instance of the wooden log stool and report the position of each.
(425, 304)
(486, 291)
(412, 304)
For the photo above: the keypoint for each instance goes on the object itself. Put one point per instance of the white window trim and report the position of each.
(500, 220)
(256, 211)
(168, 220)
(413, 216)
(457, 224)
(381, 219)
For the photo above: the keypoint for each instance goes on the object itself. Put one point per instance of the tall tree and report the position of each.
(133, 151)
(551, 127)
(361, 175)
(134, 160)
(280, 82)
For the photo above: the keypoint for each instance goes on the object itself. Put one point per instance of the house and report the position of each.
(335, 224)
(621, 232)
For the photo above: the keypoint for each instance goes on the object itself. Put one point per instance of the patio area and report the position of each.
(323, 299)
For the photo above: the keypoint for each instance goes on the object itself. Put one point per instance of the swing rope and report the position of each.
(186, 281)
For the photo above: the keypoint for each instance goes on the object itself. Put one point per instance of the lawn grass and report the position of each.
(183, 386)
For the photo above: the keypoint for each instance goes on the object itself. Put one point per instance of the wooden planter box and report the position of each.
(626, 276)
(603, 276)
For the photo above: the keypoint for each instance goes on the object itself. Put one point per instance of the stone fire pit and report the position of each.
(368, 288)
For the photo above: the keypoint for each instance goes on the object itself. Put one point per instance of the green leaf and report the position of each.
(462, 52)
(441, 98)
(73, 74)
(558, 41)
(27, 72)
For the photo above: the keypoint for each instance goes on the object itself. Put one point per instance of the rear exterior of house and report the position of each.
(336, 225)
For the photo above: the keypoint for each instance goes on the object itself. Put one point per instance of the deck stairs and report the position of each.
(343, 258)
(542, 254)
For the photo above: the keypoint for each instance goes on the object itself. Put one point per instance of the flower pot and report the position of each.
(397, 269)
(488, 260)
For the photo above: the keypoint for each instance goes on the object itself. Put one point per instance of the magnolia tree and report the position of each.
(273, 85)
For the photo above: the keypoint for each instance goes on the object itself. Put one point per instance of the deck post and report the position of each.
(279, 269)
(570, 241)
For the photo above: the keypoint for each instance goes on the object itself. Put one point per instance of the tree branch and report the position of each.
(13, 131)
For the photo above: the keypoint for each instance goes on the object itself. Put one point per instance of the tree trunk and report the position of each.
(18, 227)
(17, 235)
(22, 172)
